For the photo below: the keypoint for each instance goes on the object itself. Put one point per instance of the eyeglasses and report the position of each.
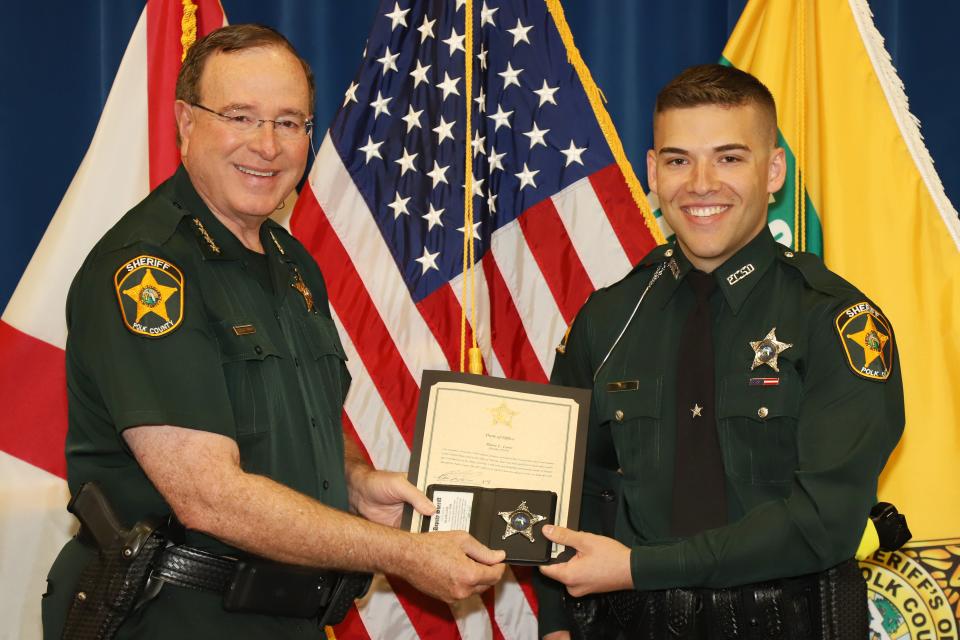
(289, 127)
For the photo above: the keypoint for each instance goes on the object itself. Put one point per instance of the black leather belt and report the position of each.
(194, 568)
(255, 585)
(830, 605)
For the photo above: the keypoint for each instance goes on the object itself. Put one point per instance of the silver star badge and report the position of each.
(521, 521)
(767, 350)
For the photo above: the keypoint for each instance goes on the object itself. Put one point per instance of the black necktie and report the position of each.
(699, 489)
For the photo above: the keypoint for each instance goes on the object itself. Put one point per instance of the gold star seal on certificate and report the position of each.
(872, 340)
(521, 521)
(767, 350)
(502, 414)
(150, 296)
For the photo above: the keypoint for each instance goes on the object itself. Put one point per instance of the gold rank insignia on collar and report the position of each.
(301, 287)
(767, 350)
(276, 243)
(202, 230)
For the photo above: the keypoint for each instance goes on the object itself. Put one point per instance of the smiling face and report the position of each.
(244, 175)
(713, 168)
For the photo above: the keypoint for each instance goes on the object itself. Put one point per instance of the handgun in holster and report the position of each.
(112, 584)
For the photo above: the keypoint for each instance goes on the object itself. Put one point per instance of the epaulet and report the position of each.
(815, 273)
(153, 221)
(657, 256)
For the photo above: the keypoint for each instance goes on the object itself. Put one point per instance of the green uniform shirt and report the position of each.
(236, 351)
(802, 447)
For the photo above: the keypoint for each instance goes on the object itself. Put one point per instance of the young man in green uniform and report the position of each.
(742, 410)
(206, 378)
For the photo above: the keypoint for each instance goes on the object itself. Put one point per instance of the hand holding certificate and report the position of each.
(499, 458)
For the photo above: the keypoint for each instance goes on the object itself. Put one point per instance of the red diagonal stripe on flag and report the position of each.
(624, 215)
(34, 400)
(557, 258)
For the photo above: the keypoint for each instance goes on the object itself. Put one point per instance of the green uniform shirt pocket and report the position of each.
(758, 428)
(250, 360)
(324, 346)
(633, 417)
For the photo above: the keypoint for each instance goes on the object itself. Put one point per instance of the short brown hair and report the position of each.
(717, 84)
(235, 37)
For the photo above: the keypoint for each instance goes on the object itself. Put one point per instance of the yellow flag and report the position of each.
(874, 206)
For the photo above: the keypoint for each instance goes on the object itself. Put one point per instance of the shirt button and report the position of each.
(618, 415)
(313, 422)
(296, 361)
(620, 471)
(258, 349)
(326, 485)
(788, 254)
(607, 495)
(762, 412)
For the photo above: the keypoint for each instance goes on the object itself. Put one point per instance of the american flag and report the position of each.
(555, 217)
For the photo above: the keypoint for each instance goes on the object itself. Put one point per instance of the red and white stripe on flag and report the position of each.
(375, 230)
(124, 160)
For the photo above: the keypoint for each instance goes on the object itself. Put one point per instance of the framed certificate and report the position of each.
(483, 443)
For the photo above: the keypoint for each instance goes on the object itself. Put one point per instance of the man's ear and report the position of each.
(183, 115)
(777, 170)
(652, 170)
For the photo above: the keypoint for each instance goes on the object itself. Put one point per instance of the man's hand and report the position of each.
(452, 565)
(557, 635)
(379, 496)
(601, 564)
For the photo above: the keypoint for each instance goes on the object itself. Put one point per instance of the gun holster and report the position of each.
(112, 585)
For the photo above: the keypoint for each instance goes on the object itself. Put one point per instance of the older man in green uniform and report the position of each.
(745, 402)
(206, 378)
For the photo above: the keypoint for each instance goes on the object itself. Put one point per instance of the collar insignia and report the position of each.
(277, 243)
(202, 230)
(740, 274)
(767, 350)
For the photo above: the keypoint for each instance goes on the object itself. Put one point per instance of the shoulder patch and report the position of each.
(867, 340)
(150, 293)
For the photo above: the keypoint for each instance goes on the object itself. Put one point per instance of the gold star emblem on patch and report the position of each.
(767, 351)
(150, 292)
(697, 410)
(502, 414)
(872, 340)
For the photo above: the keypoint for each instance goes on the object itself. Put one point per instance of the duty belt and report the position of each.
(830, 605)
(261, 586)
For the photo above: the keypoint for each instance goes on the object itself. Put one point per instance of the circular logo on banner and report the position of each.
(906, 596)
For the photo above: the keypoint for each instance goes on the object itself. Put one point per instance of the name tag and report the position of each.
(624, 385)
(244, 329)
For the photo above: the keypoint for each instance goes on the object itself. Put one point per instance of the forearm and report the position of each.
(356, 469)
(266, 518)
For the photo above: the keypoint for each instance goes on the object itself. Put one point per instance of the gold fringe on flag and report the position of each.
(596, 98)
(469, 262)
(188, 27)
